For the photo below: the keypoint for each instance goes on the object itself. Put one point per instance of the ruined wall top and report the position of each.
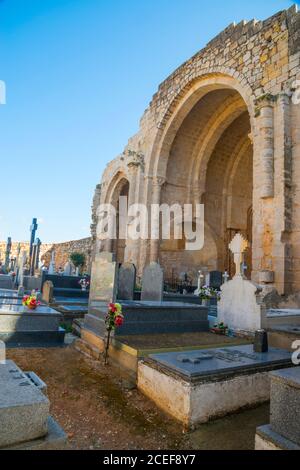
(263, 55)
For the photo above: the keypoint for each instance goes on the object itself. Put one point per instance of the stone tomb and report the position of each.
(6, 281)
(283, 433)
(197, 386)
(21, 326)
(24, 413)
(142, 318)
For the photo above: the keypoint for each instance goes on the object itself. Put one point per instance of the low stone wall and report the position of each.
(24, 247)
(64, 250)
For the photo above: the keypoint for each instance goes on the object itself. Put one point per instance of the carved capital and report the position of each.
(265, 101)
(158, 181)
(134, 160)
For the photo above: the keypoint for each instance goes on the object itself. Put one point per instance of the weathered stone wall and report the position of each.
(64, 250)
(24, 247)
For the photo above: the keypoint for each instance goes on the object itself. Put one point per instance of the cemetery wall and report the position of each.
(24, 247)
(64, 250)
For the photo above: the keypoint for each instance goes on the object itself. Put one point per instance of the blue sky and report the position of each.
(79, 75)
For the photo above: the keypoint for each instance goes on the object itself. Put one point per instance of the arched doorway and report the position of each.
(210, 160)
(119, 244)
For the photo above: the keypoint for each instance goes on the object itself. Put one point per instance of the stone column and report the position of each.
(266, 130)
(271, 193)
(283, 194)
(263, 189)
(157, 184)
(134, 169)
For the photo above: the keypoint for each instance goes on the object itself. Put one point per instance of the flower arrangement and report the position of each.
(84, 283)
(31, 302)
(220, 329)
(114, 319)
(207, 293)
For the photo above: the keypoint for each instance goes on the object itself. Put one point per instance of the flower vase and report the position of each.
(205, 302)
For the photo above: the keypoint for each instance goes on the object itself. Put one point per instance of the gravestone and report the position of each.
(103, 290)
(153, 283)
(48, 292)
(103, 278)
(7, 253)
(239, 307)
(51, 269)
(200, 283)
(216, 279)
(68, 269)
(21, 269)
(21, 291)
(126, 281)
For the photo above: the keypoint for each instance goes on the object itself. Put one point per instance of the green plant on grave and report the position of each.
(78, 259)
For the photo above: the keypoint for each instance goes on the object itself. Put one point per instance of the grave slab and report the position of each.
(152, 318)
(197, 386)
(24, 409)
(21, 326)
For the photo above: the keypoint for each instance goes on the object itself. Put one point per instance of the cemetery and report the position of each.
(148, 337)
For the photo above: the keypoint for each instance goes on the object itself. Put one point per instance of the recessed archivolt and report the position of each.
(212, 133)
(180, 108)
(114, 189)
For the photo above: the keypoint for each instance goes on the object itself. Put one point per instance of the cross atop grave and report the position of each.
(33, 229)
(238, 246)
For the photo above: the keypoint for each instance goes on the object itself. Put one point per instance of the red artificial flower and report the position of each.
(112, 308)
(119, 321)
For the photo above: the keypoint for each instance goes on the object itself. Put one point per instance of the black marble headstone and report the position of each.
(215, 279)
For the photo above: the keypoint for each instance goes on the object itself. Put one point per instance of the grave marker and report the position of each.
(126, 281)
(153, 283)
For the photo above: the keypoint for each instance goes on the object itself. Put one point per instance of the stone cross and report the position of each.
(238, 246)
(226, 277)
(33, 229)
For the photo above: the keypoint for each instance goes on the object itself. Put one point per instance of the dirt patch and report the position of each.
(99, 410)
(93, 405)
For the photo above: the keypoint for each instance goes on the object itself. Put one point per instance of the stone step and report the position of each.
(285, 403)
(24, 409)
